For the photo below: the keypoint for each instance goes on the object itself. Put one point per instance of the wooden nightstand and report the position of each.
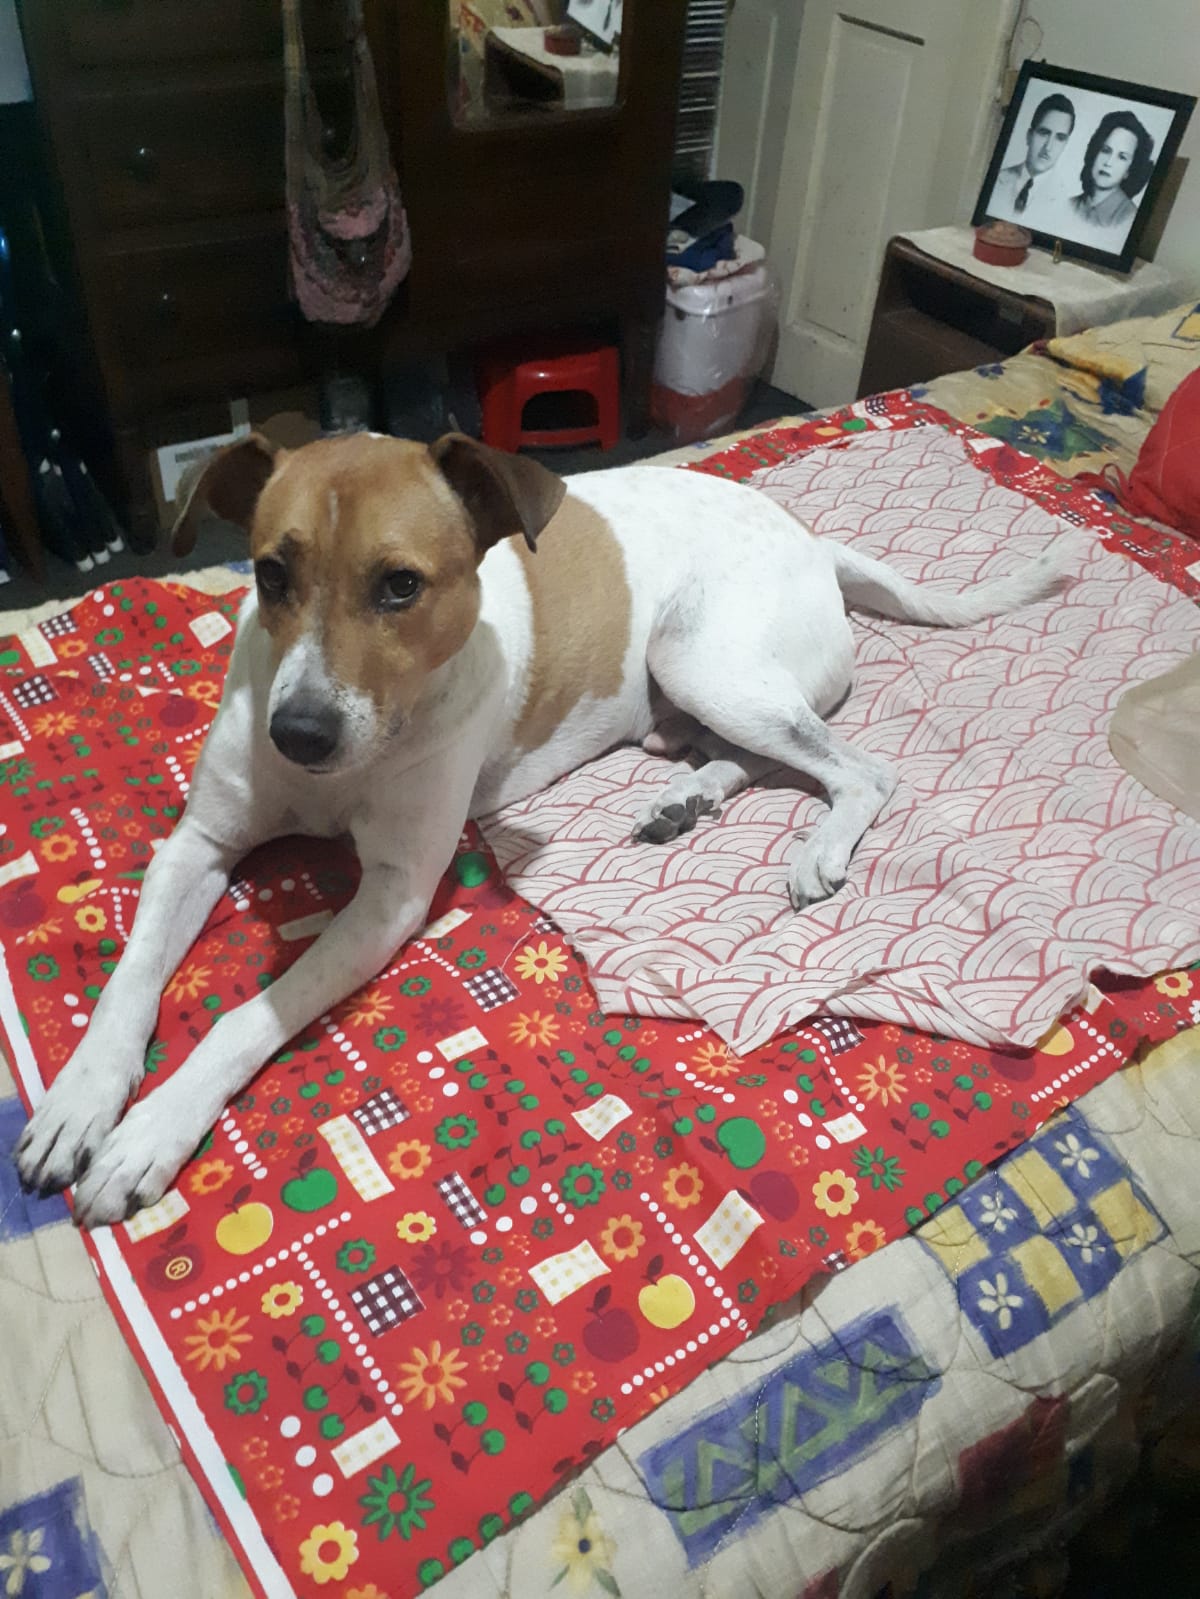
(932, 318)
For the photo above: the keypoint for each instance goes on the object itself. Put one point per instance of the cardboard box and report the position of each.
(174, 466)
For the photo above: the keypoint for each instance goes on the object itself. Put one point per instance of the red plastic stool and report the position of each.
(508, 379)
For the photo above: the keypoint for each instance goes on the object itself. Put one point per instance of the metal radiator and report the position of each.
(700, 87)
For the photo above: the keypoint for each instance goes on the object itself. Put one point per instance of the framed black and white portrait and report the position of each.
(1081, 159)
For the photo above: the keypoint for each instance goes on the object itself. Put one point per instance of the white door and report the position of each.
(848, 123)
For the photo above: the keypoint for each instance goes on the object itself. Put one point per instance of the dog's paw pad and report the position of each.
(663, 822)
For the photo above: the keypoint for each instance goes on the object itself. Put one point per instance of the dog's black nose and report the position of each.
(306, 734)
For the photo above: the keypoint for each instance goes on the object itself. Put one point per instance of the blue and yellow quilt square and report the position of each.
(21, 1213)
(1050, 1230)
(48, 1549)
(996, 1212)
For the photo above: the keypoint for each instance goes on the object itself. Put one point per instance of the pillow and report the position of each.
(1165, 481)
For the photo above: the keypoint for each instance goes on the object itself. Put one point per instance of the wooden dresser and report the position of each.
(166, 124)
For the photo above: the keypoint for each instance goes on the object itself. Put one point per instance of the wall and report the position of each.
(14, 74)
(1145, 41)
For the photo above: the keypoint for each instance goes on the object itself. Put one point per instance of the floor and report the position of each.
(1144, 1546)
(222, 543)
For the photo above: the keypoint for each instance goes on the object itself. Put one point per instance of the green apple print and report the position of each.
(314, 1188)
(743, 1141)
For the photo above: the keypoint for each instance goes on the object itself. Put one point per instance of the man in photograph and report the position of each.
(1019, 185)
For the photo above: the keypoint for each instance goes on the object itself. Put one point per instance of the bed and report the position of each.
(884, 1430)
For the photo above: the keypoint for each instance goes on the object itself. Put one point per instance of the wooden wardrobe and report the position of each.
(165, 119)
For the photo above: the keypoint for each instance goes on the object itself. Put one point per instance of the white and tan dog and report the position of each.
(406, 664)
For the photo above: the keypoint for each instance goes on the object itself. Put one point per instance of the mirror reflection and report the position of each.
(527, 57)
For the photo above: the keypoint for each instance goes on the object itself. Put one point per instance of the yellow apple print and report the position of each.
(668, 1302)
(245, 1228)
(1058, 1041)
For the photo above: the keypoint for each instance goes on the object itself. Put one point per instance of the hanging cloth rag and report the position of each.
(347, 230)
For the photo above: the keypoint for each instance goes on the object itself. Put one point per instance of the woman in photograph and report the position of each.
(1116, 168)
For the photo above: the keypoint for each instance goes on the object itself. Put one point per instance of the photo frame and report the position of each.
(599, 19)
(1081, 159)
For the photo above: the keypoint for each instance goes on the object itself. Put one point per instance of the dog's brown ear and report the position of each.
(502, 494)
(227, 485)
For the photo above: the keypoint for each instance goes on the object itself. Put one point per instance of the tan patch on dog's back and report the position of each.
(580, 624)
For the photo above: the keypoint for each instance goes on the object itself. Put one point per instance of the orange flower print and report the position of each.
(410, 1158)
(537, 1028)
(623, 1237)
(430, 1376)
(218, 1339)
(282, 1299)
(209, 1176)
(55, 724)
(541, 964)
(864, 1238)
(58, 847)
(370, 1009)
(1175, 985)
(683, 1186)
(415, 1227)
(189, 982)
(206, 692)
(714, 1059)
(836, 1193)
(882, 1081)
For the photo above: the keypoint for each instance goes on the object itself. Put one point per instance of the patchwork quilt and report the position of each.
(859, 1441)
(1082, 401)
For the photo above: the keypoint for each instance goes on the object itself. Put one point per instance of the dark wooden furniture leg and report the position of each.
(639, 335)
(16, 495)
(141, 510)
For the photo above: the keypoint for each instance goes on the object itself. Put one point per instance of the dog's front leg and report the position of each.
(141, 1158)
(182, 884)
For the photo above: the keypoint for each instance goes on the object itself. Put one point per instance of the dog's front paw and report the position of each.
(79, 1111)
(134, 1168)
(818, 871)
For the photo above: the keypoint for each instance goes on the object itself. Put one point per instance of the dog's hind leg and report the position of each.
(756, 706)
(694, 792)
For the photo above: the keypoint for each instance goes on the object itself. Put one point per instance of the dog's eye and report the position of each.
(272, 579)
(400, 589)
